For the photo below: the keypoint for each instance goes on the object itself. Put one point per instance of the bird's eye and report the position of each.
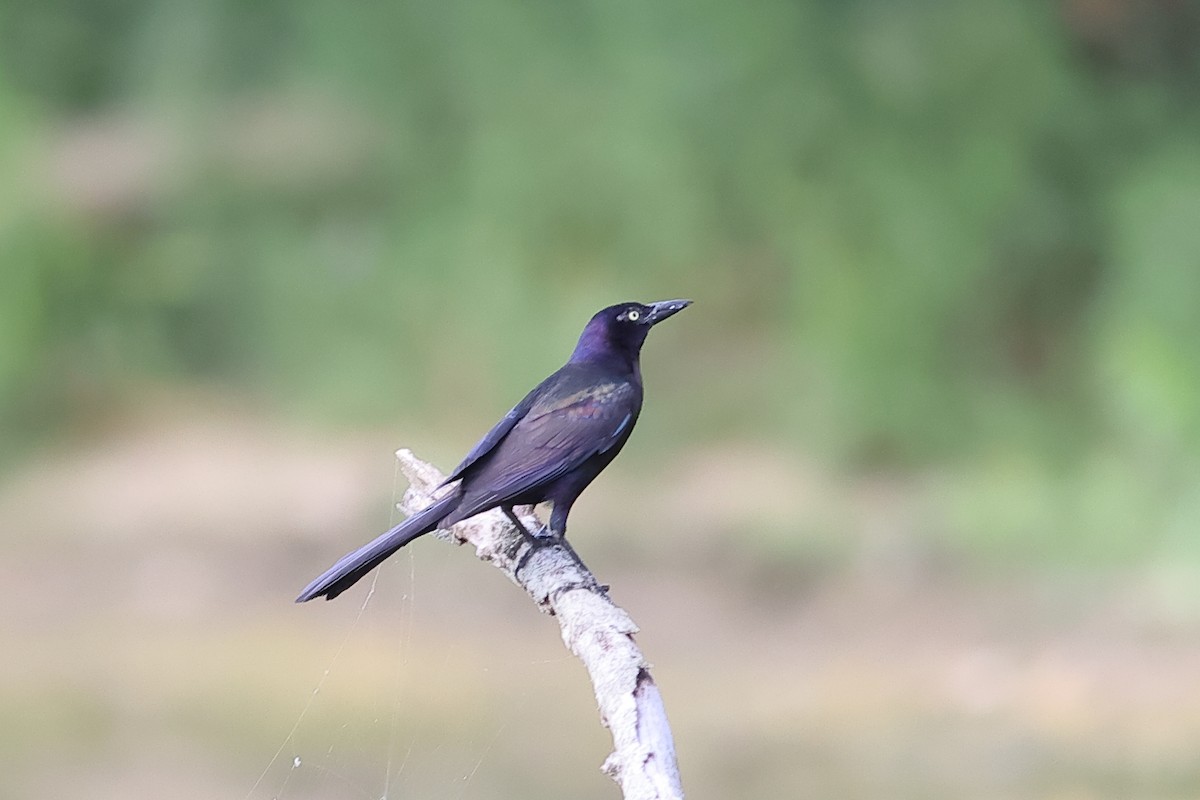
(633, 315)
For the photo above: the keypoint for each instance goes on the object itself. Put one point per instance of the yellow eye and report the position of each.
(633, 315)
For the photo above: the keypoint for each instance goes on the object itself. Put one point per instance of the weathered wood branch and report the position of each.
(595, 629)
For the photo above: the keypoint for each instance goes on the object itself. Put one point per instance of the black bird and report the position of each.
(548, 448)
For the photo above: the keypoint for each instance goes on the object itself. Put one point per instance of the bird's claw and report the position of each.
(543, 534)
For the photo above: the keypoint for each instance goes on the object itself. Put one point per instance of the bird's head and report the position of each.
(621, 329)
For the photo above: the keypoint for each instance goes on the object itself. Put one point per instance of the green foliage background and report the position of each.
(920, 235)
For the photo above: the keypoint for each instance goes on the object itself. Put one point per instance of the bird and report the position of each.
(548, 448)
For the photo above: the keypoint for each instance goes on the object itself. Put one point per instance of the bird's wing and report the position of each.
(556, 435)
(493, 437)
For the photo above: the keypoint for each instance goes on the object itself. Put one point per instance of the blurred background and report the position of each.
(913, 508)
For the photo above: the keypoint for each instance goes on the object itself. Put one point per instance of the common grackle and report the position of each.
(548, 448)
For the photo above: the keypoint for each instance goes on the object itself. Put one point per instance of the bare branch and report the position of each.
(595, 629)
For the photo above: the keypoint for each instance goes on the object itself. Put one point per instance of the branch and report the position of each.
(594, 628)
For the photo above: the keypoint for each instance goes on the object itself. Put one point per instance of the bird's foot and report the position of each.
(560, 539)
(543, 535)
(532, 537)
(535, 541)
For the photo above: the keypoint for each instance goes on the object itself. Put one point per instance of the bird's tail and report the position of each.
(353, 566)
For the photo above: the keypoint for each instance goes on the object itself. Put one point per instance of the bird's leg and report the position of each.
(558, 519)
(515, 520)
(530, 535)
(535, 540)
(551, 534)
(558, 527)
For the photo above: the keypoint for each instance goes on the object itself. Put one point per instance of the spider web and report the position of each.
(317, 759)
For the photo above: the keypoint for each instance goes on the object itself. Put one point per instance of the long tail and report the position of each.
(353, 566)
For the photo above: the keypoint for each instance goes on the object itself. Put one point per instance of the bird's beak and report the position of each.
(665, 308)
